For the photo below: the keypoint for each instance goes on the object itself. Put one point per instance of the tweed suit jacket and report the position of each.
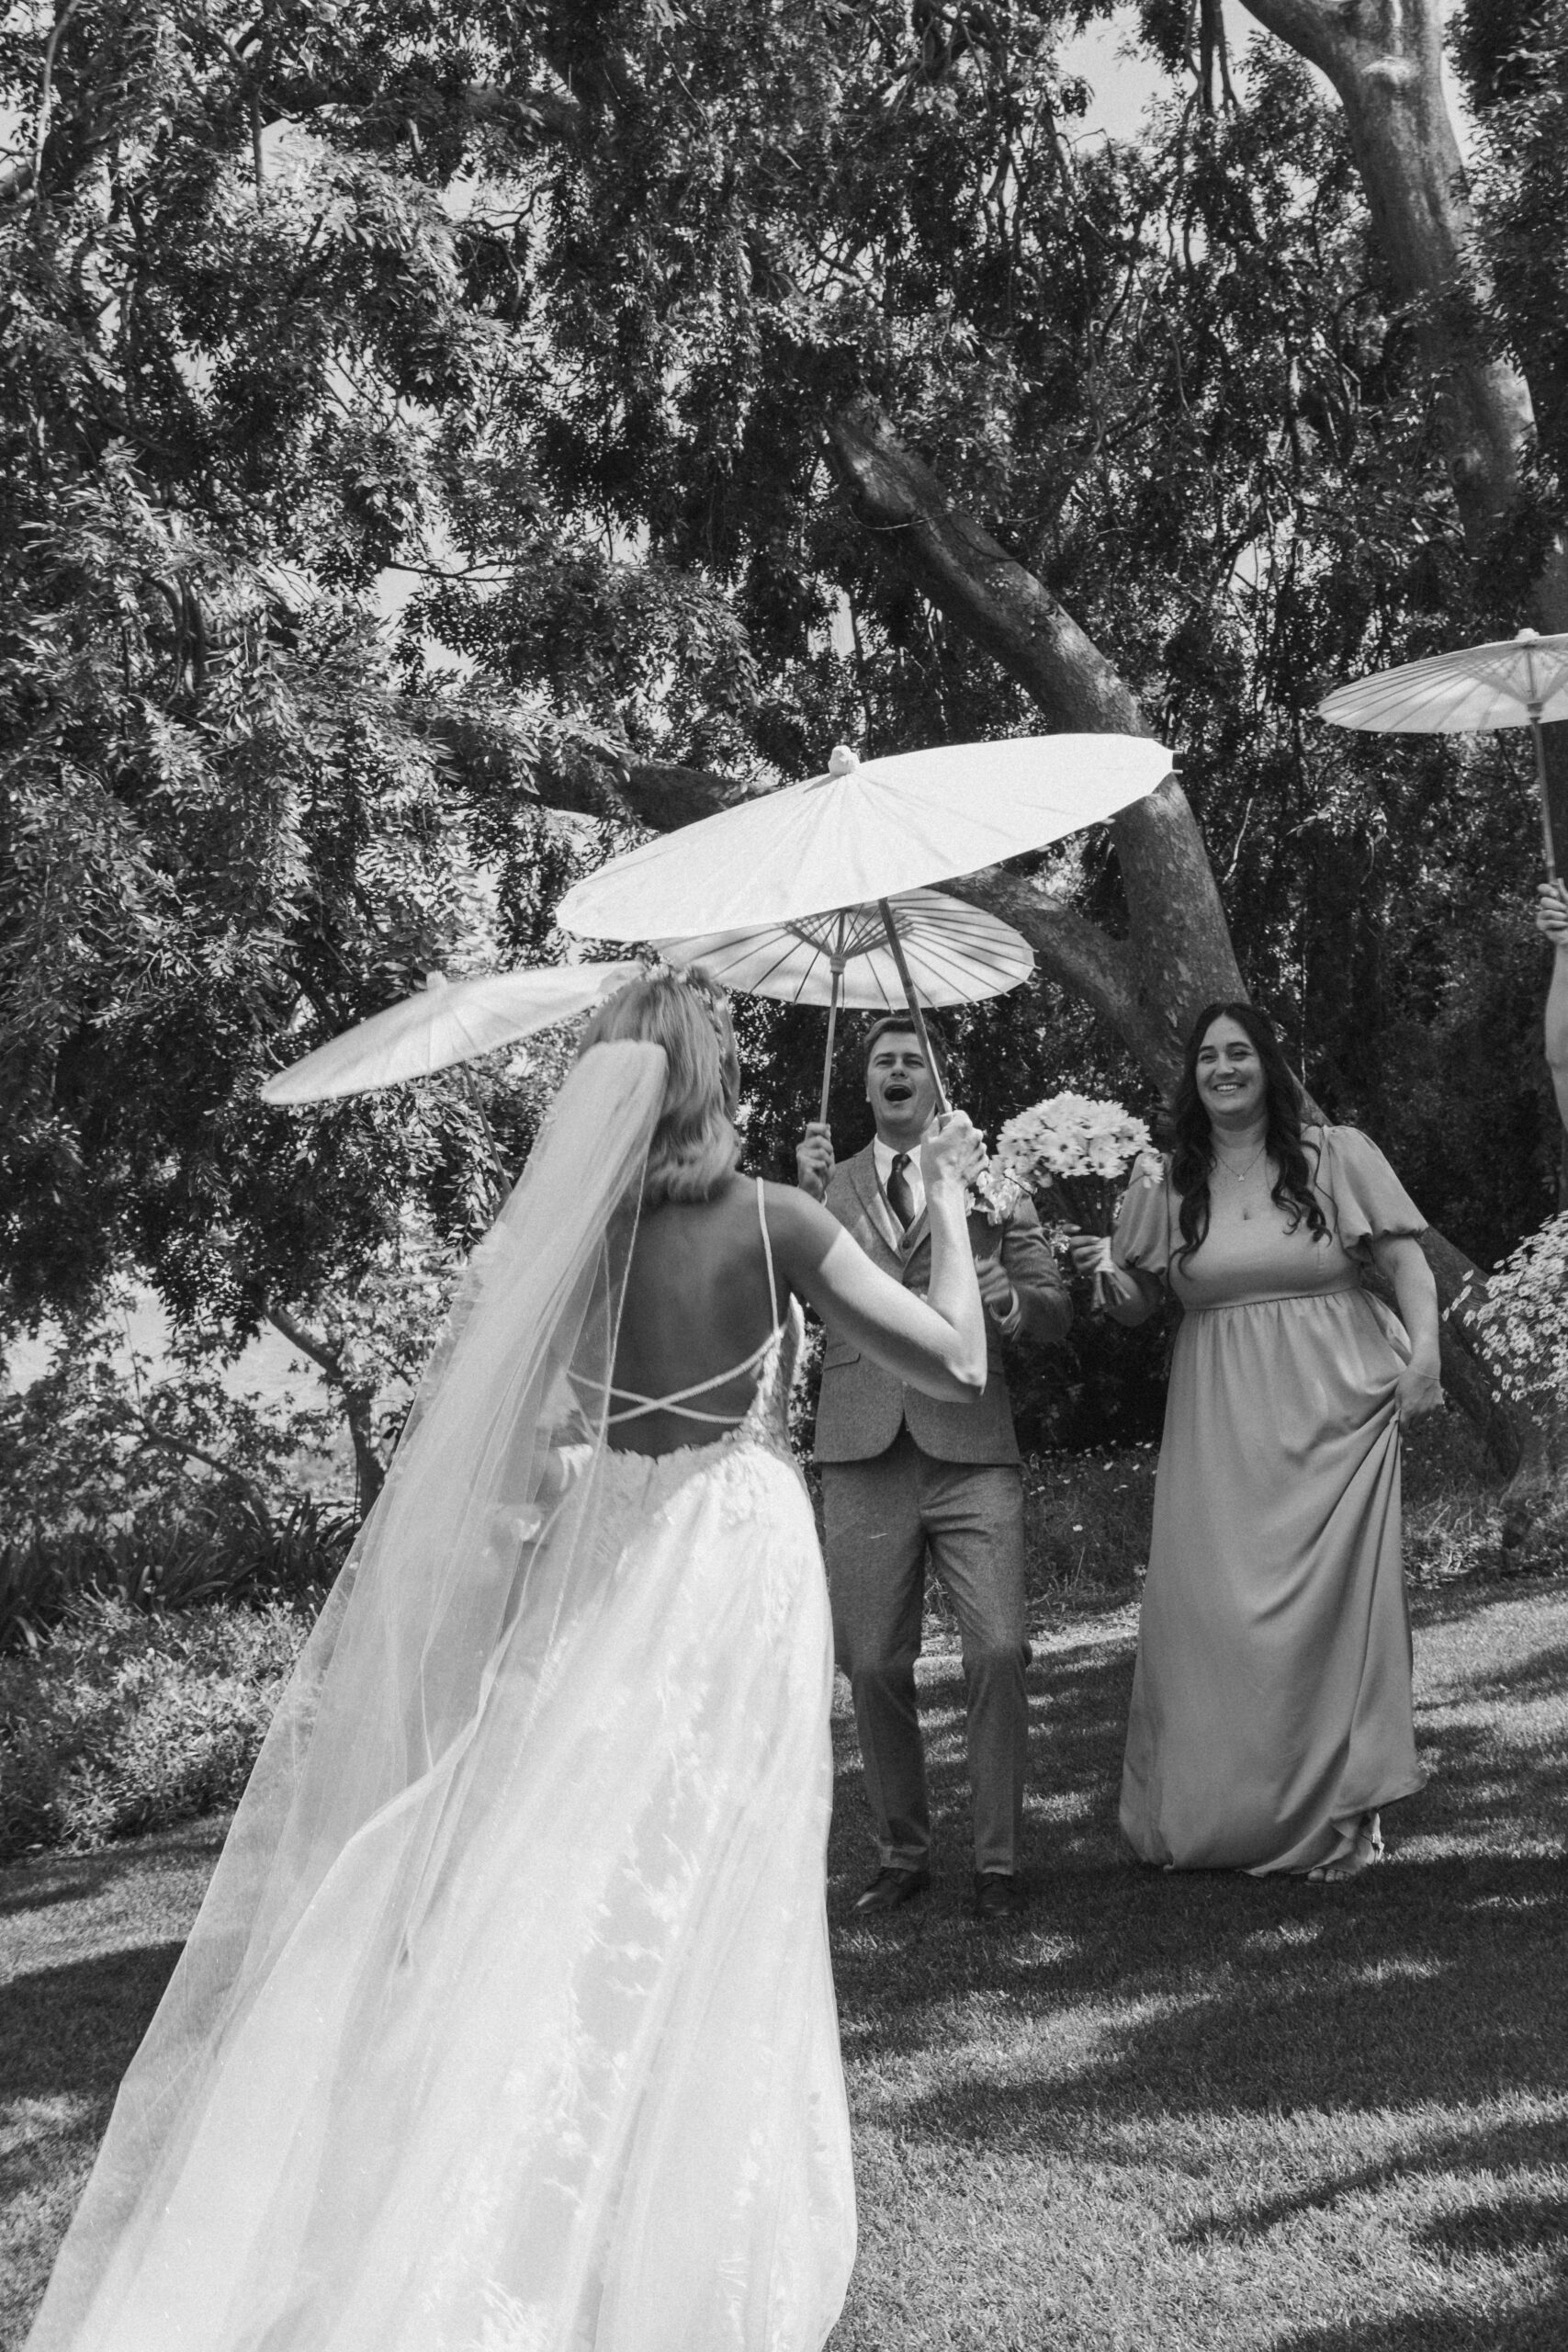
(861, 1406)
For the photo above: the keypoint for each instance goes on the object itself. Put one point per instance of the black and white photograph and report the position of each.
(783, 1175)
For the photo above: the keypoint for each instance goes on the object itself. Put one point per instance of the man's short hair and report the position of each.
(901, 1024)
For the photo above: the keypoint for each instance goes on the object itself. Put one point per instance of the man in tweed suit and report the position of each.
(904, 1475)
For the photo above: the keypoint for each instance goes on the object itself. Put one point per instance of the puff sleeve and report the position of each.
(1369, 1201)
(1142, 1238)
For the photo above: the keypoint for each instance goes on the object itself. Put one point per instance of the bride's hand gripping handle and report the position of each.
(936, 1343)
(950, 1155)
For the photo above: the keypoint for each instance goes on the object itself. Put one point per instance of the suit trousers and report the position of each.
(882, 1518)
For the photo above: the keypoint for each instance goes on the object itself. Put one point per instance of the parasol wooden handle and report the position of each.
(913, 1002)
(1548, 847)
(832, 1027)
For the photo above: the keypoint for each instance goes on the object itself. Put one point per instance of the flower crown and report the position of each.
(714, 999)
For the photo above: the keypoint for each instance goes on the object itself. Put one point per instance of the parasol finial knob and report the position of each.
(1526, 636)
(841, 760)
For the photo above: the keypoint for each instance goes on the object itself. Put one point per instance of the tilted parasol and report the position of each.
(449, 1022)
(1519, 682)
(954, 954)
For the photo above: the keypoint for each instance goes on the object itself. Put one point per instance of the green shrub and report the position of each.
(215, 1549)
(168, 1493)
(124, 1721)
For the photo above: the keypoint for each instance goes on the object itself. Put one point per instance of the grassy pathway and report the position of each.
(1170, 2115)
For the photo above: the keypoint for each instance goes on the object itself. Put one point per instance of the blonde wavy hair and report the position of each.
(694, 1145)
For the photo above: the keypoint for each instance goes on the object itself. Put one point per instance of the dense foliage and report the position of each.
(411, 416)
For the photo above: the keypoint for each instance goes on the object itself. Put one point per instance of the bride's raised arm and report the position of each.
(937, 1343)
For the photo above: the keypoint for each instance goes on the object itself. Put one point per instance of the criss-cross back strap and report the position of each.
(636, 1405)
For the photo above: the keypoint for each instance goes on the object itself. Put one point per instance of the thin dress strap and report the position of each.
(636, 1405)
(768, 1254)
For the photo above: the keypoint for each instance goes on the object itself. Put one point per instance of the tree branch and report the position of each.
(46, 95)
(1178, 939)
(318, 1351)
(151, 1435)
(1384, 59)
(370, 1471)
(967, 574)
(1078, 955)
(667, 799)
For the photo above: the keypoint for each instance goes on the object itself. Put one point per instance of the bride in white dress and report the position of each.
(507, 2024)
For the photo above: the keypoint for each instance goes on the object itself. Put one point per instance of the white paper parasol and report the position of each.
(449, 1022)
(861, 834)
(1519, 682)
(953, 954)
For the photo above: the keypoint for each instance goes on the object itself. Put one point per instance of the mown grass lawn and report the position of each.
(1167, 2112)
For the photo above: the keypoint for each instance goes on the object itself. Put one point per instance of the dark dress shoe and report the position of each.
(997, 1895)
(891, 1887)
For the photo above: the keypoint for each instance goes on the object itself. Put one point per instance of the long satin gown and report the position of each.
(602, 2106)
(1272, 1700)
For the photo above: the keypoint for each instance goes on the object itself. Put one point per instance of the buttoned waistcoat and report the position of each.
(861, 1406)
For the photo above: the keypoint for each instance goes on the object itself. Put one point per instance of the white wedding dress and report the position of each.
(546, 2057)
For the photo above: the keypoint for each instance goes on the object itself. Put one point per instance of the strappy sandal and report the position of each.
(1367, 1849)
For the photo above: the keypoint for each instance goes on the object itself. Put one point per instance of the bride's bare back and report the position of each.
(699, 1307)
(697, 1303)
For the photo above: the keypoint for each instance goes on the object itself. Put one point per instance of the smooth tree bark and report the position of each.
(1177, 954)
(1384, 60)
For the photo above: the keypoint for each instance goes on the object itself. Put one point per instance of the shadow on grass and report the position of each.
(50, 1888)
(1544, 1676)
(1542, 2328)
(73, 2028)
(1131, 2002)
(1511, 2230)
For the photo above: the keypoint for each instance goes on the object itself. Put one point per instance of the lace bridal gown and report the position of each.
(533, 2048)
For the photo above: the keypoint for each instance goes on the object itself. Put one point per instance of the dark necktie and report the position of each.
(900, 1200)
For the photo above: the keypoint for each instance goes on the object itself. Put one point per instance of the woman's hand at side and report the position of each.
(1417, 1392)
(1419, 1388)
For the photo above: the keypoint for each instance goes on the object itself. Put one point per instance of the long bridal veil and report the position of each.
(479, 1560)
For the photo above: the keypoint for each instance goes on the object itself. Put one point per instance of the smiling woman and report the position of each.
(1271, 1712)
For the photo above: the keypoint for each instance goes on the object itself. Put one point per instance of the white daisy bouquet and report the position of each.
(1523, 1322)
(1078, 1149)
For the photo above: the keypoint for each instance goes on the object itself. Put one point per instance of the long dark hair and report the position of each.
(1192, 1138)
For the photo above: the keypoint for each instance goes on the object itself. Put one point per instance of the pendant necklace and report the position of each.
(1240, 1175)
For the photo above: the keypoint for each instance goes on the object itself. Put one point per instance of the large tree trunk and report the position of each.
(1177, 954)
(1384, 59)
